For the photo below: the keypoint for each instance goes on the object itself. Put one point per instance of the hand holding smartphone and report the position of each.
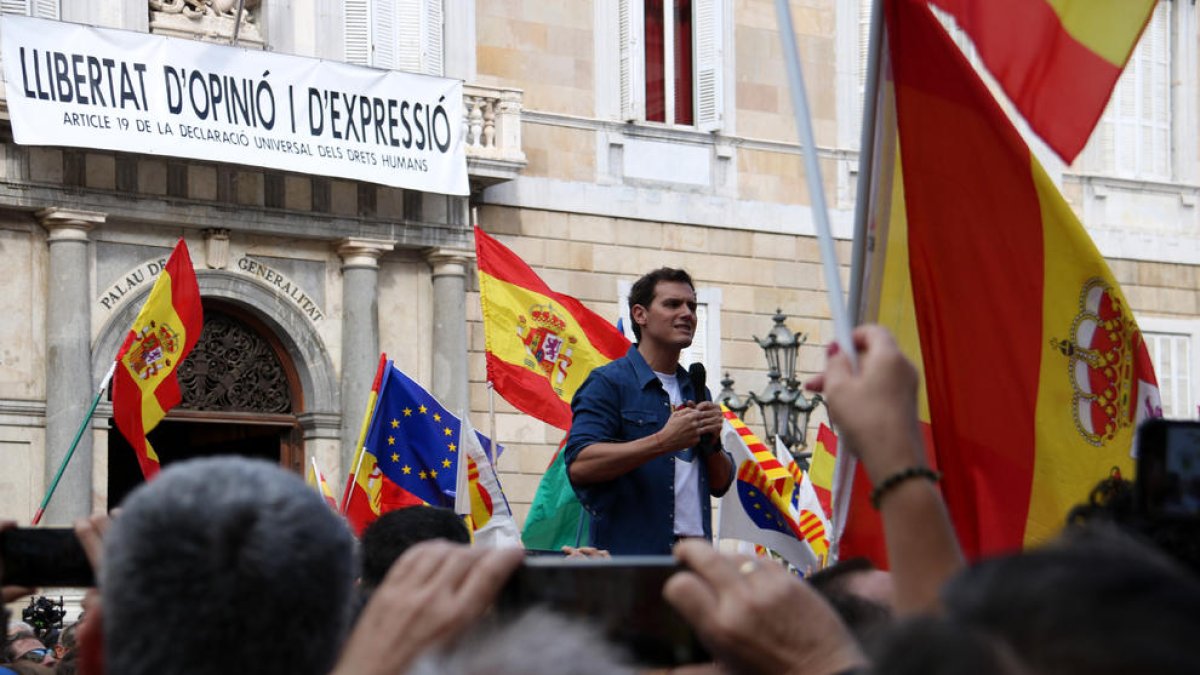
(622, 596)
(43, 556)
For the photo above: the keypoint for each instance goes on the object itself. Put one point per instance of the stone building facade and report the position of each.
(588, 174)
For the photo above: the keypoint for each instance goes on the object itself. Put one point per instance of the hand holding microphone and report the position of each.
(708, 443)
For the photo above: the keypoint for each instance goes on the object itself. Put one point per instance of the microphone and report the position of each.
(698, 376)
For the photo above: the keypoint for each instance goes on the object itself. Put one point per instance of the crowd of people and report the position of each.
(226, 565)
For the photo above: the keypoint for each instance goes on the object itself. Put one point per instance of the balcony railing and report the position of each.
(492, 128)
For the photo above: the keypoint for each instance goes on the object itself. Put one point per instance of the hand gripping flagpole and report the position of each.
(37, 516)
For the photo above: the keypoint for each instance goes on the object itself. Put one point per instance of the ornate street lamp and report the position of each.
(784, 408)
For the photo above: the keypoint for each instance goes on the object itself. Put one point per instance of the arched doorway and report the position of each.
(241, 393)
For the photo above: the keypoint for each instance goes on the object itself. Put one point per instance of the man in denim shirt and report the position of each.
(634, 454)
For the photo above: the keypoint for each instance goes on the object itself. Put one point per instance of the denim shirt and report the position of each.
(633, 513)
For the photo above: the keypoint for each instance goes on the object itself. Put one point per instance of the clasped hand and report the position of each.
(689, 423)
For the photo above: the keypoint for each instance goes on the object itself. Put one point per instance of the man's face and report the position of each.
(670, 320)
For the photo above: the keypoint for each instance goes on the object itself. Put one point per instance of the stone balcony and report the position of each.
(492, 128)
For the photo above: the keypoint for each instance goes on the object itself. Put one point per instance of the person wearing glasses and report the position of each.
(26, 647)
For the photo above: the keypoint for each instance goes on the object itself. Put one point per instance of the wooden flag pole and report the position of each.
(37, 517)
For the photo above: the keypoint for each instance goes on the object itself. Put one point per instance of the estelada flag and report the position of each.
(541, 345)
(145, 386)
(1058, 60)
(1034, 371)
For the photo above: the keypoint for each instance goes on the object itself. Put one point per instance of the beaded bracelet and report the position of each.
(899, 477)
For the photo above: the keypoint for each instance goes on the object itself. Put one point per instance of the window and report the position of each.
(46, 9)
(706, 343)
(396, 34)
(1133, 138)
(1174, 346)
(670, 61)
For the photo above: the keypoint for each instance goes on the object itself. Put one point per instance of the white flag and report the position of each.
(478, 494)
(762, 505)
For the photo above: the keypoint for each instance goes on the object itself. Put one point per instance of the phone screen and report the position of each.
(1168, 478)
(43, 557)
(622, 596)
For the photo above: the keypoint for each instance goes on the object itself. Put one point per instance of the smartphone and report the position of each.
(622, 596)
(1168, 469)
(43, 556)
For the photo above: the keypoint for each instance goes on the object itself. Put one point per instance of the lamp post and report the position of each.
(784, 408)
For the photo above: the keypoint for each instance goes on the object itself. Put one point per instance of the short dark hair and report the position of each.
(219, 559)
(394, 532)
(643, 289)
(1096, 601)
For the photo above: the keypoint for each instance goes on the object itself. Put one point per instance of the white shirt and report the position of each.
(688, 521)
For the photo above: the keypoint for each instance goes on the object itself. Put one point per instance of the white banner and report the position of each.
(87, 87)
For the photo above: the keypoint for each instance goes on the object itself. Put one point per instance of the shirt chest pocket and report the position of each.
(637, 423)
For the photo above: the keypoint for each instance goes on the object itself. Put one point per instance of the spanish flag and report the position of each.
(144, 384)
(541, 345)
(1058, 60)
(1034, 371)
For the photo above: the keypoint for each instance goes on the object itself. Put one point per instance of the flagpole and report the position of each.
(37, 516)
(362, 433)
(491, 390)
(845, 464)
(866, 162)
(812, 173)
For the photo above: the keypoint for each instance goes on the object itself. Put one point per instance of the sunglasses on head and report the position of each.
(35, 655)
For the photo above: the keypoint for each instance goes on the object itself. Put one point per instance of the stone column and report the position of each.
(360, 332)
(69, 386)
(450, 325)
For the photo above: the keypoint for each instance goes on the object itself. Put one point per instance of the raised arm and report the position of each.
(875, 410)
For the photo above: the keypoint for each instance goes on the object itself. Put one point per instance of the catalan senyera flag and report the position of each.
(316, 479)
(1058, 60)
(824, 456)
(541, 345)
(766, 504)
(145, 386)
(1034, 373)
(479, 497)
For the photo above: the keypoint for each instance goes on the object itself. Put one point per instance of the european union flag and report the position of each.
(415, 439)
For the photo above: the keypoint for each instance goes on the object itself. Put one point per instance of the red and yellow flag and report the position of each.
(144, 385)
(541, 345)
(1058, 60)
(1034, 371)
(824, 456)
(317, 480)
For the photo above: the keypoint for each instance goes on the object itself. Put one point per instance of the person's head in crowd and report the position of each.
(643, 290)
(929, 645)
(520, 647)
(393, 533)
(66, 641)
(25, 646)
(1096, 602)
(860, 593)
(1112, 501)
(224, 565)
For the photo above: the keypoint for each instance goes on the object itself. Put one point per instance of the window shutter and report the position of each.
(408, 34)
(632, 72)
(1172, 358)
(356, 35)
(432, 52)
(46, 9)
(383, 33)
(709, 60)
(20, 7)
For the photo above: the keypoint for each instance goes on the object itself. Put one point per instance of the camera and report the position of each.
(1168, 470)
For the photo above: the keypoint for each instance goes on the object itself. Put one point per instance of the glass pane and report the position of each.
(656, 97)
(683, 63)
